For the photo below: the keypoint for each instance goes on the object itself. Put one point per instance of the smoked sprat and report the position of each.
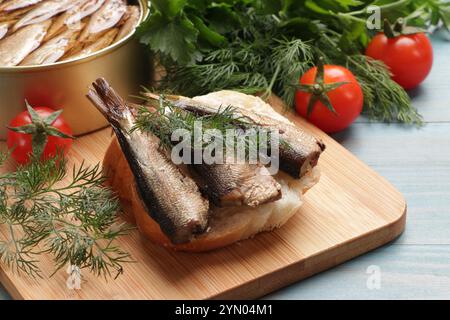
(49, 31)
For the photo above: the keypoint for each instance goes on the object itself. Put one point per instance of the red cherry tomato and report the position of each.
(22, 142)
(347, 100)
(410, 57)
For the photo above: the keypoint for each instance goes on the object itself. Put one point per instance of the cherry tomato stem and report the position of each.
(409, 57)
(335, 109)
(21, 144)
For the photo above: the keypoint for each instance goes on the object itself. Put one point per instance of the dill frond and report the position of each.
(291, 58)
(75, 221)
(384, 99)
(164, 118)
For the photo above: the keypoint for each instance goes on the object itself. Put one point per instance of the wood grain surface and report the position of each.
(351, 211)
(417, 162)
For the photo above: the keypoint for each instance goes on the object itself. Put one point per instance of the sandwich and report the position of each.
(201, 206)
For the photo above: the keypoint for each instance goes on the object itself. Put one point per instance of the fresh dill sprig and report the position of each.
(75, 221)
(384, 99)
(164, 118)
(46, 209)
(290, 58)
(257, 62)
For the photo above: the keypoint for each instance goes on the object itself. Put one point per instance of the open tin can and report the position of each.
(63, 85)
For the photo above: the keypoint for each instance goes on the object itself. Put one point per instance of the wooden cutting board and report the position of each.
(351, 211)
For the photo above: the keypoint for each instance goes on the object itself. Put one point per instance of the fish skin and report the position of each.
(298, 155)
(233, 185)
(14, 15)
(130, 24)
(52, 50)
(171, 198)
(15, 48)
(86, 8)
(12, 5)
(74, 15)
(101, 43)
(4, 28)
(45, 11)
(300, 151)
(105, 18)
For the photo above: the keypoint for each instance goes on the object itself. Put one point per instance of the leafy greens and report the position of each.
(265, 45)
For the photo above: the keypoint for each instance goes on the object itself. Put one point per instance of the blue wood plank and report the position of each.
(406, 272)
(432, 98)
(417, 265)
(417, 162)
(3, 294)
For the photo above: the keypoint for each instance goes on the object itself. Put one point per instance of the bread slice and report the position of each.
(226, 225)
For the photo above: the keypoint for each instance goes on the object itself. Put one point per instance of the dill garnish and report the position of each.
(71, 215)
(161, 118)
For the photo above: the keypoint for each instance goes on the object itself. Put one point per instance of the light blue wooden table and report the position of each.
(417, 162)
